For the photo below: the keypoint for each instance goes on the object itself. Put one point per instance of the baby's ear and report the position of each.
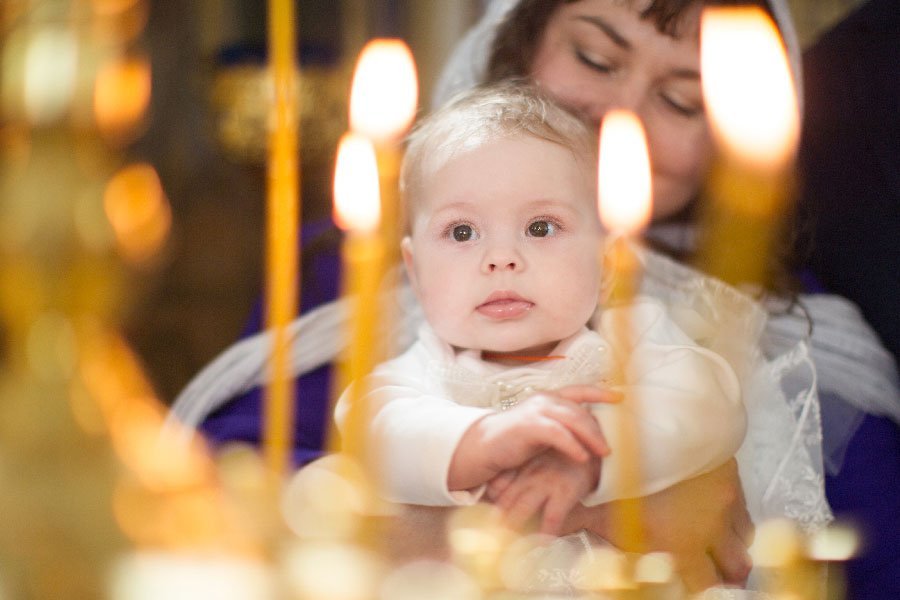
(407, 253)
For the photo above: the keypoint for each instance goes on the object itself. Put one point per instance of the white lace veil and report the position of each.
(781, 460)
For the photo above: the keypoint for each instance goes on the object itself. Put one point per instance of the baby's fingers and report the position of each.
(582, 425)
(500, 484)
(589, 394)
(552, 433)
(523, 506)
(556, 509)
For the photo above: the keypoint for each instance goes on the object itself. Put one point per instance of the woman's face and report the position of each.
(599, 54)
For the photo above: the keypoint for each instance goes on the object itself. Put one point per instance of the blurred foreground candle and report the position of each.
(752, 105)
(624, 204)
(383, 100)
(282, 223)
(358, 213)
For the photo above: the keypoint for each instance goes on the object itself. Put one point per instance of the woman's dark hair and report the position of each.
(518, 36)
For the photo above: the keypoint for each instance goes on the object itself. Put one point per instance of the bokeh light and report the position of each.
(138, 211)
(121, 96)
(51, 64)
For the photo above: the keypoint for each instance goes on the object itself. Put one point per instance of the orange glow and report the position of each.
(623, 173)
(121, 94)
(747, 85)
(112, 7)
(357, 206)
(385, 91)
(191, 518)
(112, 376)
(138, 211)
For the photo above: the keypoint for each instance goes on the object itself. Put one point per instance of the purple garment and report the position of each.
(241, 420)
(866, 494)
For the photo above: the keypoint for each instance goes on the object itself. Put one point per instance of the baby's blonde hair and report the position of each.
(485, 114)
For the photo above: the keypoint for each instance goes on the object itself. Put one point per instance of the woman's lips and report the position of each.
(504, 305)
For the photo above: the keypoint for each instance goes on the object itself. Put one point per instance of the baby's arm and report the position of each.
(507, 440)
(414, 434)
(412, 431)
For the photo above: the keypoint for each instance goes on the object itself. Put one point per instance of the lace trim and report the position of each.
(586, 363)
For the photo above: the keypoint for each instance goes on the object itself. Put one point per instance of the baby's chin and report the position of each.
(532, 348)
(505, 342)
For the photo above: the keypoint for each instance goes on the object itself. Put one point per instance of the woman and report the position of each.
(591, 55)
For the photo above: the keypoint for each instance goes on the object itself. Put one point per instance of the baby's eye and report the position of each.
(463, 233)
(541, 228)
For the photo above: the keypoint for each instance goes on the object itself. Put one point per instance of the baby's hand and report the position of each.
(507, 440)
(550, 483)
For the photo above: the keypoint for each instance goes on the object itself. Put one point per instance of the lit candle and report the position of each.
(282, 211)
(624, 204)
(752, 104)
(383, 101)
(357, 211)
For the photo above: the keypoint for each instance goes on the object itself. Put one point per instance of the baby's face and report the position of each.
(503, 247)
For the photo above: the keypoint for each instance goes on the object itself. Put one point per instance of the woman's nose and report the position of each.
(627, 93)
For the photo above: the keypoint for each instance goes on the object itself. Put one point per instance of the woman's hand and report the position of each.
(703, 522)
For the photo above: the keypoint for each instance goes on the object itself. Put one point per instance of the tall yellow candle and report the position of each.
(282, 225)
(752, 104)
(624, 205)
(383, 103)
(358, 213)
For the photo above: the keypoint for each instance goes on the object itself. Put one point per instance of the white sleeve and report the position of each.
(690, 418)
(413, 432)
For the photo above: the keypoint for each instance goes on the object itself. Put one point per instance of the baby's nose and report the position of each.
(495, 266)
(502, 259)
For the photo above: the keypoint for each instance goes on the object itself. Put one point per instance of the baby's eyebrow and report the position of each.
(550, 203)
(458, 205)
(457, 210)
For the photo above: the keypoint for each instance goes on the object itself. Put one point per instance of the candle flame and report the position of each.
(357, 203)
(385, 91)
(747, 85)
(623, 173)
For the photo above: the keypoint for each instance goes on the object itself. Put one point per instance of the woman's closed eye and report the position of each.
(593, 61)
(681, 106)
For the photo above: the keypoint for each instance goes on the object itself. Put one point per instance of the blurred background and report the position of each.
(205, 136)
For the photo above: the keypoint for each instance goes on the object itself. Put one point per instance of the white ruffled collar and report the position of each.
(472, 381)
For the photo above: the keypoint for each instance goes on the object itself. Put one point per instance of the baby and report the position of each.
(506, 393)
